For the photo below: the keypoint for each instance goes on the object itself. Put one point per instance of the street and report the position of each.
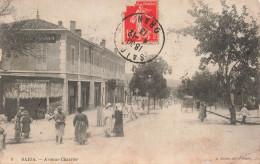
(163, 136)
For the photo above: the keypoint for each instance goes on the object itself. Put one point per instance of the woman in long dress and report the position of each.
(80, 123)
(108, 121)
(118, 128)
(26, 120)
(202, 112)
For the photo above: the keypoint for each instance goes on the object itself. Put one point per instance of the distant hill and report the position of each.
(170, 82)
(173, 83)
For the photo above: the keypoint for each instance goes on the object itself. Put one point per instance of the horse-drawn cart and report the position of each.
(187, 103)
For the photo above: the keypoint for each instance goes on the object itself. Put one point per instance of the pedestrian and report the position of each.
(80, 122)
(17, 125)
(26, 120)
(198, 105)
(143, 104)
(108, 120)
(202, 112)
(19, 113)
(2, 139)
(118, 127)
(60, 119)
(244, 112)
(17, 133)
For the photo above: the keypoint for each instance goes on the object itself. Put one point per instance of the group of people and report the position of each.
(22, 124)
(113, 120)
(80, 122)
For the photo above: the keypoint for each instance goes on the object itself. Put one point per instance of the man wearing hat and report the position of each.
(60, 119)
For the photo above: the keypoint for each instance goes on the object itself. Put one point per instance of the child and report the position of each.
(244, 112)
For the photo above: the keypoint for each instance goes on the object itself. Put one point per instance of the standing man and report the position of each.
(143, 104)
(244, 112)
(60, 119)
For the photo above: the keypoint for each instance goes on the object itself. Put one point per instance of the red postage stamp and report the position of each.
(140, 27)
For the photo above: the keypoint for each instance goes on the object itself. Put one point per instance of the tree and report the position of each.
(12, 34)
(148, 78)
(227, 40)
(113, 84)
(203, 86)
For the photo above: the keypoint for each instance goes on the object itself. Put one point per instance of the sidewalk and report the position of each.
(252, 118)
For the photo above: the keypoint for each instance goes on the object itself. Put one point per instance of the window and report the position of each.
(41, 57)
(85, 59)
(72, 58)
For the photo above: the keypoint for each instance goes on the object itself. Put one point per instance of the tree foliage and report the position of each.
(227, 40)
(148, 78)
(203, 86)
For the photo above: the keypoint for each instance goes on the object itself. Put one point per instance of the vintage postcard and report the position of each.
(129, 82)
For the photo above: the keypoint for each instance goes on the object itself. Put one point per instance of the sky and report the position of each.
(98, 20)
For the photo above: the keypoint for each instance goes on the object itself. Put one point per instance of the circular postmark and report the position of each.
(139, 38)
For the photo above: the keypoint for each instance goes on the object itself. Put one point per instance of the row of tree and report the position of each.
(148, 79)
(229, 41)
(206, 86)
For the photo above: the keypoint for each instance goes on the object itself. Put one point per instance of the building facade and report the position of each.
(62, 69)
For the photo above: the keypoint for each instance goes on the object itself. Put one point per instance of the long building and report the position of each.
(61, 69)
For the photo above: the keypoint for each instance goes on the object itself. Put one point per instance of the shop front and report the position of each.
(38, 96)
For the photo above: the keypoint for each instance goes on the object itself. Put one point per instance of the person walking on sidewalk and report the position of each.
(244, 112)
(108, 123)
(26, 120)
(118, 127)
(202, 112)
(80, 122)
(60, 119)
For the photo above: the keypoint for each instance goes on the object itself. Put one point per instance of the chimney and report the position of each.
(78, 32)
(72, 26)
(103, 43)
(60, 23)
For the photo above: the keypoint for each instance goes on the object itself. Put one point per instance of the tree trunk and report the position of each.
(231, 107)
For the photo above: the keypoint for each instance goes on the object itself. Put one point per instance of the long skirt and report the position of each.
(80, 132)
(119, 130)
(60, 129)
(201, 114)
(108, 126)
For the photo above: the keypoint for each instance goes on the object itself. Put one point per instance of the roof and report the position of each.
(39, 24)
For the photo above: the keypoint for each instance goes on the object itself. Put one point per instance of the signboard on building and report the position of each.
(37, 38)
(32, 89)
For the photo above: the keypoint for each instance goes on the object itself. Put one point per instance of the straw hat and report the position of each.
(108, 105)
